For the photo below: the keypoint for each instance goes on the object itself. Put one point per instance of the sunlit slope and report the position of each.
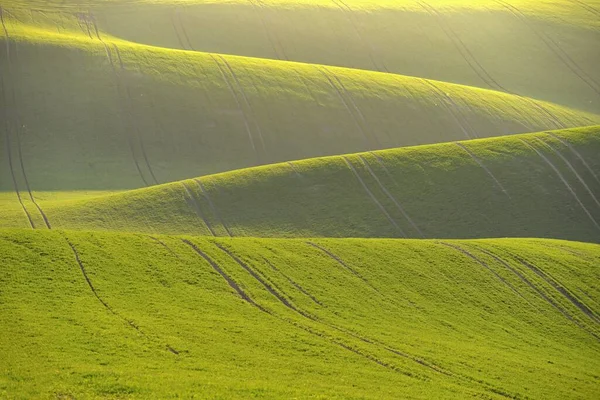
(91, 314)
(544, 49)
(531, 185)
(85, 114)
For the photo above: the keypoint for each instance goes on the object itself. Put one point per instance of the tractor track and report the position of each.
(341, 97)
(17, 125)
(464, 127)
(560, 288)
(482, 165)
(137, 135)
(348, 13)
(389, 195)
(579, 156)
(372, 196)
(197, 208)
(245, 98)
(119, 85)
(482, 263)
(579, 178)
(588, 8)
(163, 244)
(343, 264)
(293, 167)
(564, 181)
(554, 47)
(290, 280)
(274, 291)
(212, 206)
(257, 11)
(389, 174)
(108, 306)
(183, 30)
(462, 48)
(239, 106)
(181, 45)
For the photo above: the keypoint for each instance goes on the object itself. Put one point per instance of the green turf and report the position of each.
(521, 46)
(76, 120)
(531, 185)
(398, 319)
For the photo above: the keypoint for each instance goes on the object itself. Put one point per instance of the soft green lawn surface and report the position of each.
(388, 318)
(78, 120)
(546, 49)
(532, 185)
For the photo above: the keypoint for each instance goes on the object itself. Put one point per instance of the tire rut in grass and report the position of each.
(240, 108)
(373, 198)
(482, 165)
(389, 195)
(563, 180)
(579, 178)
(108, 306)
(196, 207)
(462, 48)
(554, 47)
(212, 207)
(577, 154)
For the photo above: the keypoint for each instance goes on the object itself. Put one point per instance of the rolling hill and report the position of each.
(537, 48)
(531, 185)
(103, 114)
(106, 315)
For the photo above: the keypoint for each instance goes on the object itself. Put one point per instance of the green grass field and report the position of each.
(532, 185)
(299, 199)
(150, 317)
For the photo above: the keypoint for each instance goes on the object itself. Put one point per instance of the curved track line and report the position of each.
(323, 71)
(239, 106)
(389, 174)
(389, 195)
(212, 206)
(227, 278)
(371, 136)
(588, 7)
(137, 133)
(560, 288)
(464, 127)
(483, 264)
(163, 244)
(579, 178)
(197, 208)
(182, 26)
(531, 285)
(577, 154)
(266, 29)
(554, 47)
(293, 167)
(181, 45)
(123, 108)
(480, 163)
(245, 98)
(349, 13)
(342, 263)
(372, 196)
(305, 328)
(106, 305)
(564, 181)
(462, 48)
(290, 280)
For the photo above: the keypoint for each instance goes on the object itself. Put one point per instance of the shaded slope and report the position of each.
(543, 49)
(531, 185)
(103, 114)
(399, 318)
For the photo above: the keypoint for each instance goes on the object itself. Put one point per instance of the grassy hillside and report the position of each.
(531, 185)
(539, 48)
(104, 114)
(134, 316)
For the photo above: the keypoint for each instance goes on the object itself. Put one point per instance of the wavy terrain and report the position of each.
(118, 315)
(279, 199)
(533, 185)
